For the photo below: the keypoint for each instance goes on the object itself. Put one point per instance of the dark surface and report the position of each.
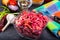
(11, 34)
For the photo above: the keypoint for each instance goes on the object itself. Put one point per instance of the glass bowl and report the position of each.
(39, 2)
(28, 24)
(29, 3)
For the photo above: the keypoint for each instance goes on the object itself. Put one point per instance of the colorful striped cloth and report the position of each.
(54, 27)
(49, 8)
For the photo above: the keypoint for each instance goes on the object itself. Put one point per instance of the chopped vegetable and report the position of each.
(30, 24)
(13, 8)
(4, 12)
(13, 2)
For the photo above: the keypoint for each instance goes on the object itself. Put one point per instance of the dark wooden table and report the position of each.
(11, 34)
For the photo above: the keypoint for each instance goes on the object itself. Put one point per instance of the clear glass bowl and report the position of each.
(29, 1)
(26, 31)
